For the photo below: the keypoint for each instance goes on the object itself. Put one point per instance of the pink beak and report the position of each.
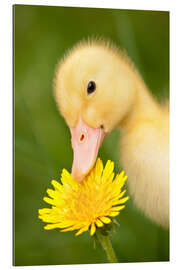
(85, 143)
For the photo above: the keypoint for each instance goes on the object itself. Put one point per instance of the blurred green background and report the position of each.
(42, 145)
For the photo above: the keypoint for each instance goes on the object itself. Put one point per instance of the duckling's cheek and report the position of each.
(70, 108)
(90, 116)
(70, 117)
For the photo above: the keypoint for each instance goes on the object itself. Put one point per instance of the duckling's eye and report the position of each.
(91, 87)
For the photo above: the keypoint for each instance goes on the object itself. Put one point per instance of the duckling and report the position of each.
(97, 89)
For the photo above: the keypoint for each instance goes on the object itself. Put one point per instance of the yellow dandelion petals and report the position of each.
(98, 168)
(99, 223)
(56, 185)
(65, 177)
(50, 226)
(51, 193)
(93, 229)
(72, 228)
(105, 220)
(85, 205)
(122, 193)
(44, 211)
(108, 169)
(83, 229)
(123, 200)
(48, 200)
(118, 208)
(114, 214)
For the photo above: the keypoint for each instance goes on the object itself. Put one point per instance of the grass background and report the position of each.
(42, 145)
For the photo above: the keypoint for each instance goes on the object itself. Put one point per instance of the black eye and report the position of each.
(91, 87)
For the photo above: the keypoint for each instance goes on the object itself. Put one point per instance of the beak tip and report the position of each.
(77, 175)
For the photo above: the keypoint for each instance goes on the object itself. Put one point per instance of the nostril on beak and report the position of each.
(82, 137)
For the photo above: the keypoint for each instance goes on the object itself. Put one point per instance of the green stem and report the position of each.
(106, 244)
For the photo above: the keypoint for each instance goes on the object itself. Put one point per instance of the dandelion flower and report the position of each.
(85, 205)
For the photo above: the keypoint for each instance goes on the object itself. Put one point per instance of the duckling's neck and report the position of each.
(143, 107)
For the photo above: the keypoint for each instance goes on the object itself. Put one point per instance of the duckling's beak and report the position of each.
(85, 143)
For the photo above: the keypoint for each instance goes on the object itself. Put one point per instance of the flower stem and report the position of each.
(106, 244)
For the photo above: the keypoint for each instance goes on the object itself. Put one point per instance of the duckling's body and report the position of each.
(144, 154)
(119, 99)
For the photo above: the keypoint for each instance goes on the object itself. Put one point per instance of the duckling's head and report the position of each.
(94, 90)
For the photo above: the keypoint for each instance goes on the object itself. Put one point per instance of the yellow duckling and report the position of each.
(97, 89)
